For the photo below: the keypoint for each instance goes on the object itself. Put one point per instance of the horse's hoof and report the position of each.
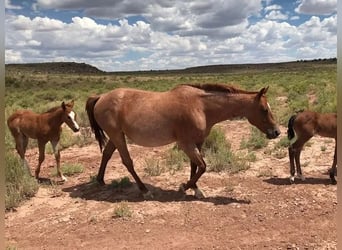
(64, 179)
(100, 182)
(182, 188)
(199, 194)
(333, 182)
(292, 180)
(148, 195)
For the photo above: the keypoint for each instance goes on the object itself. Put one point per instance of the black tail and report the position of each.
(95, 127)
(290, 130)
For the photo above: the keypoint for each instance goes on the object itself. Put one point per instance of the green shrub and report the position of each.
(19, 183)
(121, 183)
(69, 169)
(122, 210)
(256, 140)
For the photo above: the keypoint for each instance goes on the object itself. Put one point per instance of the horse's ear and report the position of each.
(63, 106)
(262, 92)
(72, 103)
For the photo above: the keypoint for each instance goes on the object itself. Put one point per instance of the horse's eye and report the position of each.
(265, 111)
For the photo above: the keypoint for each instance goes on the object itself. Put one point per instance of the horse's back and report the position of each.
(323, 124)
(23, 121)
(148, 118)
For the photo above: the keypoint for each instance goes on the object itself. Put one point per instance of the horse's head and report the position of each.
(261, 116)
(69, 116)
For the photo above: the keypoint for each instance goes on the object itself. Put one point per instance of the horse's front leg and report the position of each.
(57, 154)
(333, 170)
(41, 147)
(198, 163)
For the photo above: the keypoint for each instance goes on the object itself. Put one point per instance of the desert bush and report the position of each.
(19, 183)
(121, 183)
(256, 140)
(152, 167)
(175, 159)
(122, 210)
(69, 169)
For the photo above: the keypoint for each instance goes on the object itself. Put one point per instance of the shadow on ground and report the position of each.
(94, 191)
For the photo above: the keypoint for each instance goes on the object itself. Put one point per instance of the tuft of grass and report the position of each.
(256, 140)
(121, 183)
(122, 210)
(69, 169)
(175, 159)
(19, 183)
(153, 167)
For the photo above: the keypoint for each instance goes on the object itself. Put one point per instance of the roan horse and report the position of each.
(305, 125)
(25, 124)
(185, 115)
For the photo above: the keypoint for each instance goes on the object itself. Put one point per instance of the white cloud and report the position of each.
(276, 15)
(191, 39)
(317, 7)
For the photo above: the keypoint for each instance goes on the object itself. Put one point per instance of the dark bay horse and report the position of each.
(25, 124)
(305, 125)
(185, 115)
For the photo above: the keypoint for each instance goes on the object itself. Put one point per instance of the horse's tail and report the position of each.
(95, 127)
(290, 130)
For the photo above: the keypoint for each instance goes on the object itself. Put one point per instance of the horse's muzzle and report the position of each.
(76, 129)
(272, 134)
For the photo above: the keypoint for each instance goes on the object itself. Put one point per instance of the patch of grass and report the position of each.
(121, 183)
(122, 210)
(153, 167)
(69, 169)
(175, 159)
(19, 183)
(256, 140)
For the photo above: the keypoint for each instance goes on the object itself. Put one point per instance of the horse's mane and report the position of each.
(218, 88)
(52, 109)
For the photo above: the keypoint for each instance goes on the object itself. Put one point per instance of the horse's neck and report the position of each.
(54, 119)
(221, 108)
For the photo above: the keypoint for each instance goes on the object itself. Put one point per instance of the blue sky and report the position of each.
(169, 34)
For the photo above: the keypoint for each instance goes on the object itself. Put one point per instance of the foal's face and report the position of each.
(70, 116)
(262, 117)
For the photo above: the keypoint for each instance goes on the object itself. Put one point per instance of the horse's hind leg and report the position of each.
(21, 142)
(106, 155)
(58, 159)
(41, 147)
(120, 142)
(292, 163)
(333, 170)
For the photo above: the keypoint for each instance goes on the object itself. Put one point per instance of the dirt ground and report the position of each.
(254, 209)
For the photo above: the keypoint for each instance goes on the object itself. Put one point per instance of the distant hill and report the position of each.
(54, 68)
(83, 68)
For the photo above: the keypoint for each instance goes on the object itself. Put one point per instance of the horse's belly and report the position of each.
(150, 138)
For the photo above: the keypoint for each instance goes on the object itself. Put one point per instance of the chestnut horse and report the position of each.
(305, 125)
(25, 124)
(184, 114)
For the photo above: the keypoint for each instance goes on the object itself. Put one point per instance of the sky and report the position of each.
(126, 35)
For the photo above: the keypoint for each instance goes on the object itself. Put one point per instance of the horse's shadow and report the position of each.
(94, 191)
(308, 180)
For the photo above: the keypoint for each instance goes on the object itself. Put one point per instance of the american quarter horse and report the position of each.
(25, 124)
(305, 125)
(184, 114)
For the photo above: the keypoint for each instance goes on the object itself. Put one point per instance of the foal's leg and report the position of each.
(41, 147)
(292, 164)
(333, 170)
(58, 159)
(195, 156)
(120, 142)
(21, 142)
(106, 155)
(297, 159)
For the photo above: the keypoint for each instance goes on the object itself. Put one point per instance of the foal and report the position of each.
(25, 124)
(305, 125)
